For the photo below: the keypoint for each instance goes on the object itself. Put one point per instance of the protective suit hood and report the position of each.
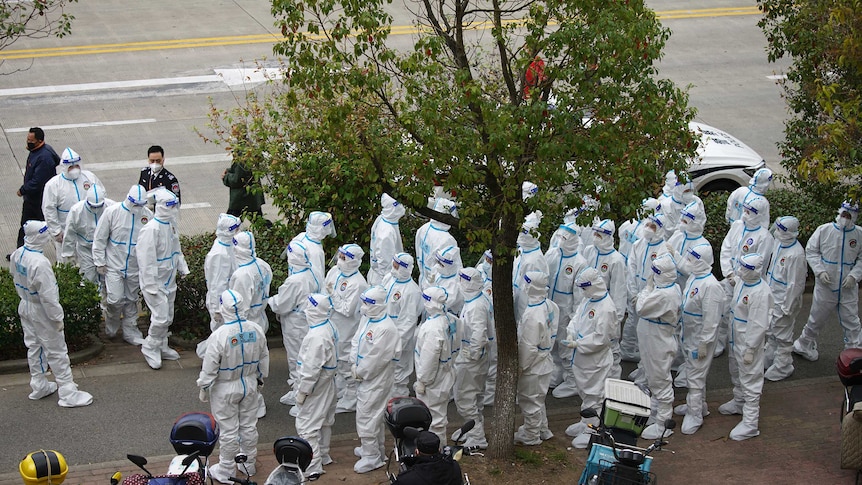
(319, 226)
(95, 197)
(590, 281)
(402, 266)
(604, 234)
(752, 210)
(848, 208)
(537, 286)
(391, 210)
(446, 258)
(661, 224)
(373, 302)
(167, 205)
(670, 180)
(318, 309)
(36, 235)
(749, 267)
(697, 260)
(528, 189)
(297, 257)
(232, 307)
(435, 298)
(692, 219)
(349, 258)
(648, 206)
(226, 227)
(528, 238)
(664, 270)
(470, 281)
(761, 181)
(445, 206)
(786, 229)
(569, 240)
(68, 160)
(136, 198)
(686, 192)
(243, 244)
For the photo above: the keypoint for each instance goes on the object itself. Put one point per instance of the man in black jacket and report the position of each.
(41, 167)
(431, 466)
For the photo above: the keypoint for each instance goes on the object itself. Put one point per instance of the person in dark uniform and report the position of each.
(431, 466)
(155, 175)
(41, 167)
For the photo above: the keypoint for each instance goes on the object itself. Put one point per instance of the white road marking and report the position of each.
(139, 83)
(195, 205)
(777, 77)
(85, 125)
(171, 161)
(239, 77)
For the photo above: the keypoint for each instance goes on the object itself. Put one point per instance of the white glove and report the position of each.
(824, 278)
(701, 351)
(102, 270)
(204, 395)
(59, 237)
(419, 387)
(300, 397)
(849, 282)
(731, 279)
(572, 344)
(748, 357)
(330, 288)
(354, 374)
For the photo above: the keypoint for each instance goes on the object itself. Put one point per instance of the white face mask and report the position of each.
(155, 167)
(73, 173)
(844, 222)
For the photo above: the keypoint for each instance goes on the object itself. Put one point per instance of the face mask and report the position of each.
(155, 167)
(749, 219)
(844, 222)
(649, 233)
(684, 266)
(31, 146)
(73, 173)
(687, 197)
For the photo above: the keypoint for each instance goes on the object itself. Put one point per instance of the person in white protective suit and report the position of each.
(62, 192)
(564, 263)
(435, 375)
(251, 278)
(471, 364)
(404, 305)
(345, 284)
(529, 258)
(602, 256)
(702, 302)
(757, 187)
(42, 319)
(786, 278)
(590, 334)
(750, 309)
(445, 275)
(386, 239)
(669, 202)
(160, 260)
(318, 227)
(834, 255)
(745, 236)
(233, 369)
(315, 382)
(537, 330)
(431, 237)
(116, 259)
(484, 266)
(632, 230)
(644, 252)
(219, 265)
(289, 306)
(658, 315)
(373, 350)
(80, 227)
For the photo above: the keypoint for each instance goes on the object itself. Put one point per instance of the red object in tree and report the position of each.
(535, 74)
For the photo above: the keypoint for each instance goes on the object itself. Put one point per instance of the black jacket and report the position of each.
(432, 470)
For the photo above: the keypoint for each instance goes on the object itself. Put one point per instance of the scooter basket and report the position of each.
(849, 366)
(405, 411)
(195, 432)
(43, 467)
(293, 449)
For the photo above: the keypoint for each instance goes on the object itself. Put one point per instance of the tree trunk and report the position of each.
(501, 443)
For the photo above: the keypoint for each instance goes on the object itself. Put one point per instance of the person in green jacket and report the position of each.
(243, 197)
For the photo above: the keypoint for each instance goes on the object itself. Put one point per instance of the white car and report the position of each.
(722, 163)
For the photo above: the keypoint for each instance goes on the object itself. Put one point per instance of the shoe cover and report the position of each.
(582, 440)
(743, 431)
(222, 472)
(691, 423)
(151, 349)
(288, 399)
(294, 411)
(566, 389)
(636, 374)
(261, 407)
(731, 407)
(357, 451)
(522, 438)
(807, 351)
(71, 397)
(545, 434)
(682, 410)
(581, 426)
(44, 389)
(249, 470)
(326, 460)
(654, 432)
(719, 349)
(774, 375)
(133, 340)
(370, 458)
(557, 377)
(169, 353)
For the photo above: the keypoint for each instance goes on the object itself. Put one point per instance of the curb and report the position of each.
(21, 365)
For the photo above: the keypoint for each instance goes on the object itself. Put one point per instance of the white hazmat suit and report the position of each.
(445, 274)
(252, 278)
(431, 237)
(757, 187)
(42, 319)
(80, 227)
(529, 258)
(404, 305)
(318, 227)
(386, 239)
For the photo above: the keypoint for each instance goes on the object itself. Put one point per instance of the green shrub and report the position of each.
(81, 306)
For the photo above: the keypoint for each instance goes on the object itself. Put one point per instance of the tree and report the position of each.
(490, 94)
(822, 150)
(34, 19)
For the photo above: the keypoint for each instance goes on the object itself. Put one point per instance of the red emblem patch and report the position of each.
(343, 285)
(369, 337)
(396, 296)
(604, 268)
(144, 220)
(568, 270)
(175, 187)
(745, 248)
(87, 185)
(653, 256)
(852, 243)
(591, 314)
(745, 300)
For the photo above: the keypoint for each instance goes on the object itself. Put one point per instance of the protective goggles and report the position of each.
(345, 251)
(746, 265)
(694, 253)
(781, 226)
(656, 220)
(602, 230)
(397, 261)
(688, 215)
(370, 301)
(749, 208)
(445, 260)
(465, 277)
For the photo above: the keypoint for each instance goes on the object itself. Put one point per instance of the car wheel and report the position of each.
(719, 186)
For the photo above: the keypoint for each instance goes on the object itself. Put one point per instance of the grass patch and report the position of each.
(527, 457)
(559, 456)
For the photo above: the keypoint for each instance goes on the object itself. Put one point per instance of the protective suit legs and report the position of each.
(532, 390)
(580, 431)
(491, 381)
(629, 351)
(569, 386)
(780, 345)
(121, 307)
(404, 369)
(314, 423)
(659, 348)
(37, 359)
(469, 383)
(347, 387)
(371, 397)
(747, 389)
(42, 352)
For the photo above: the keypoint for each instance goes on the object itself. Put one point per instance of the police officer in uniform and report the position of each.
(155, 175)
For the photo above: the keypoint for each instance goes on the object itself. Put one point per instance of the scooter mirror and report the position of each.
(670, 424)
(240, 458)
(589, 413)
(468, 426)
(138, 460)
(188, 460)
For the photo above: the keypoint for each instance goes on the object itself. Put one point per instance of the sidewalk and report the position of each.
(799, 441)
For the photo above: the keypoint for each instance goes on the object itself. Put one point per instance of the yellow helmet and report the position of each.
(43, 467)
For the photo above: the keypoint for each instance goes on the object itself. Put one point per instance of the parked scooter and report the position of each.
(849, 367)
(189, 474)
(294, 455)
